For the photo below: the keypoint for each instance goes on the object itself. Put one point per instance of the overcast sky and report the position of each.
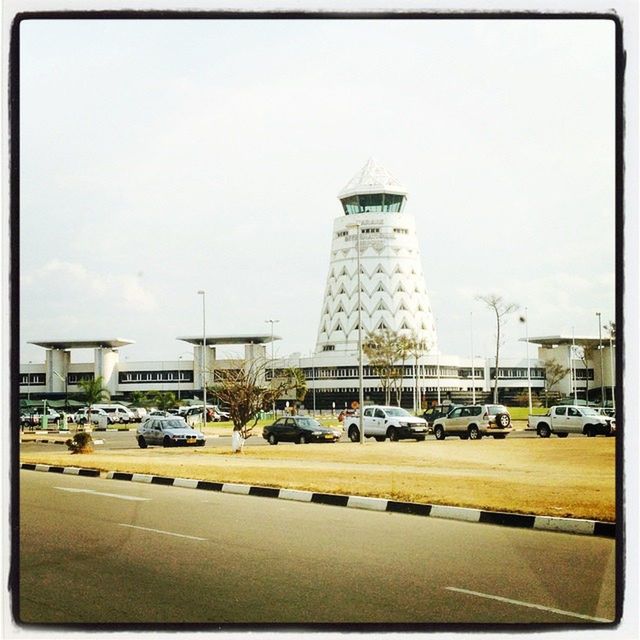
(162, 157)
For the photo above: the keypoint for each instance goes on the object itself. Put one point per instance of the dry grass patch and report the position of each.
(573, 477)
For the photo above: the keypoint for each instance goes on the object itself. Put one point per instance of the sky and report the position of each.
(159, 158)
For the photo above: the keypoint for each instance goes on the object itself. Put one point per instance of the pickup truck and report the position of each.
(382, 422)
(565, 419)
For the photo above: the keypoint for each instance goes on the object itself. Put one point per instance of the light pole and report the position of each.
(204, 348)
(473, 369)
(356, 226)
(601, 358)
(613, 375)
(273, 405)
(526, 337)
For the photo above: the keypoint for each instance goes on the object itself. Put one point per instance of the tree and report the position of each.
(501, 310)
(298, 383)
(246, 393)
(141, 399)
(384, 348)
(416, 348)
(93, 392)
(165, 400)
(553, 373)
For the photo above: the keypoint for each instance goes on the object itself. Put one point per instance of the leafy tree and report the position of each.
(553, 373)
(141, 399)
(93, 392)
(387, 352)
(501, 309)
(165, 400)
(246, 393)
(296, 381)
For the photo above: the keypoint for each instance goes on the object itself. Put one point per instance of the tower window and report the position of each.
(329, 347)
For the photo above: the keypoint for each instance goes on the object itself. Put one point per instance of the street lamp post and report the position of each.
(526, 334)
(273, 405)
(602, 398)
(204, 348)
(473, 369)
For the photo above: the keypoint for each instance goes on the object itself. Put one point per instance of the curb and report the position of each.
(501, 518)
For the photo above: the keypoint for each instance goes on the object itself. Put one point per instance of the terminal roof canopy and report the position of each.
(237, 339)
(110, 343)
(556, 341)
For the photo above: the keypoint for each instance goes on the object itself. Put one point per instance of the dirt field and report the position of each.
(574, 477)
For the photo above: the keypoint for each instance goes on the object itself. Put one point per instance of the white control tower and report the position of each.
(394, 295)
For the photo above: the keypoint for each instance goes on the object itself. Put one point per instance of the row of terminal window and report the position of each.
(398, 230)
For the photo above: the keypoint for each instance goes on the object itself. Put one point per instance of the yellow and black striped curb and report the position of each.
(524, 521)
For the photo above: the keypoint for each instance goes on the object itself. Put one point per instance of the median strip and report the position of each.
(547, 523)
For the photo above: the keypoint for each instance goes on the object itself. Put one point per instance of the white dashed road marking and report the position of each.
(166, 533)
(528, 604)
(100, 493)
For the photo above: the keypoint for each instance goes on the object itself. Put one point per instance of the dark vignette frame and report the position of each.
(14, 292)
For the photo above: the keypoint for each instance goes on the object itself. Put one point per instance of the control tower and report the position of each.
(394, 295)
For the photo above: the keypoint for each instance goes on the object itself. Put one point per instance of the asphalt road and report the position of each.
(127, 440)
(106, 551)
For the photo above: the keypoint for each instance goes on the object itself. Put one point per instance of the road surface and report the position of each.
(106, 551)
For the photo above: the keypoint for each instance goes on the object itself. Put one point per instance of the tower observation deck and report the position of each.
(394, 295)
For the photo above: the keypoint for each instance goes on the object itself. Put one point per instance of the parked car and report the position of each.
(438, 411)
(563, 420)
(28, 419)
(53, 417)
(299, 429)
(168, 431)
(382, 422)
(99, 417)
(474, 421)
(139, 413)
(117, 412)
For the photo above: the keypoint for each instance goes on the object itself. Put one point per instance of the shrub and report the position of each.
(81, 443)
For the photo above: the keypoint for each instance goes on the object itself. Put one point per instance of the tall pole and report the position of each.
(204, 349)
(360, 363)
(526, 334)
(613, 375)
(602, 398)
(273, 405)
(573, 372)
(179, 374)
(473, 369)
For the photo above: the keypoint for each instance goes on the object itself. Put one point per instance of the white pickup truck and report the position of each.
(382, 422)
(565, 419)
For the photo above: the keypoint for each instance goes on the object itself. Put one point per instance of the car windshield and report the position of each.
(396, 411)
(309, 423)
(175, 424)
(495, 409)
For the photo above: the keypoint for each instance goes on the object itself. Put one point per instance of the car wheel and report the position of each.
(590, 431)
(354, 434)
(303, 439)
(499, 436)
(562, 435)
(272, 439)
(420, 438)
(142, 443)
(464, 436)
(393, 434)
(474, 433)
(544, 431)
(379, 438)
(166, 442)
(439, 433)
(503, 420)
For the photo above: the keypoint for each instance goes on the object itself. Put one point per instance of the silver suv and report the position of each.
(169, 431)
(474, 421)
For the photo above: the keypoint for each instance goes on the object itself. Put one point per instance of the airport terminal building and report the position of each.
(374, 278)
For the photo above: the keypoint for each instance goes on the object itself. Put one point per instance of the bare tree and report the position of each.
(246, 393)
(501, 310)
(586, 357)
(553, 373)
